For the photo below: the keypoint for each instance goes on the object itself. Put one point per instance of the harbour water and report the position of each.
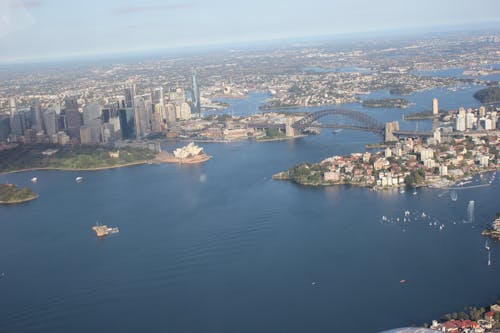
(221, 247)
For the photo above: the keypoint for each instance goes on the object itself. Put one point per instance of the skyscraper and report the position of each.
(4, 127)
(92, 119)
(12, 105)
(127, 123)
(36, 112)
(50, 121)
(130, 95)
(435, 106)
(73, 117)
(196, 95)
(143, 112)
(158, 96)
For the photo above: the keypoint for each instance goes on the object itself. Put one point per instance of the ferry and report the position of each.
(102, 230)
(34, 180)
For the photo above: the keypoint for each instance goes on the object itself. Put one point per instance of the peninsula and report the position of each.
(494, 230)
(488, 96)
(11, 194)
(410, 162)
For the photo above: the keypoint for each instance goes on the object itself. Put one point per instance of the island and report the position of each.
(427, 114)
(71, 157)
(489, 95)
(400, 103)
(190, 154)
(11, 194)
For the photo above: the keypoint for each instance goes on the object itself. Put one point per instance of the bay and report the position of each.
(221, 247)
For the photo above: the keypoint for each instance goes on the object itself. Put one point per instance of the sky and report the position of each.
(40, 29)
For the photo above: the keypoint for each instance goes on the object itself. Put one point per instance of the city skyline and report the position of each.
(44, 29)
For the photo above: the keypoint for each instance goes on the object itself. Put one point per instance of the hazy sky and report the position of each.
(58, 28)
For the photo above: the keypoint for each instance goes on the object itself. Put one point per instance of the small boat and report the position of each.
(102, 230)
(384, 218)
(402, 281)
(453, 196)
(402, 191)
(423, 215)
(337, 131)
(415, 192)
(407, 213)
(487, 246)
(489, 258)
(34, 180)
(78, 179)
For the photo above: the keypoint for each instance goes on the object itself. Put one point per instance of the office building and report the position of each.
(130, 95)
(92, 120)
(50, 121)
(158, 96)
(73, 118)
(143, 115)
(4, 127)
(196, 104)
(36, 111)
(435, 106)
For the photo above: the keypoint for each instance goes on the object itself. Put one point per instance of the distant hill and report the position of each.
(488, 95)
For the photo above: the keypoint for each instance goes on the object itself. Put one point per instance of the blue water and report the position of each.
(221, 247)
(458, 73)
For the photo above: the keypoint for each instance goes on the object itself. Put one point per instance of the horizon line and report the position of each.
(409, 31)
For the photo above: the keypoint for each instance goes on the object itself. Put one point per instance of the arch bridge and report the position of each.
(367, 123)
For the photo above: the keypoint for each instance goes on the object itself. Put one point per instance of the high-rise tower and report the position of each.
(73, 117)
(130, 95)
(36, 112)
(196, 95)
(435, 106)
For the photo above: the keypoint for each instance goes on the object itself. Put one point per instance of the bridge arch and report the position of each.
(368, 123)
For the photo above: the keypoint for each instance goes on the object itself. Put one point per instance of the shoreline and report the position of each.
(78, 169)
(15, 202)
(282, 138)
(281, 177)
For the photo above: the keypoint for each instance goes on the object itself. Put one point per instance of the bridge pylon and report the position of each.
(289, 130)
(390, 127)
